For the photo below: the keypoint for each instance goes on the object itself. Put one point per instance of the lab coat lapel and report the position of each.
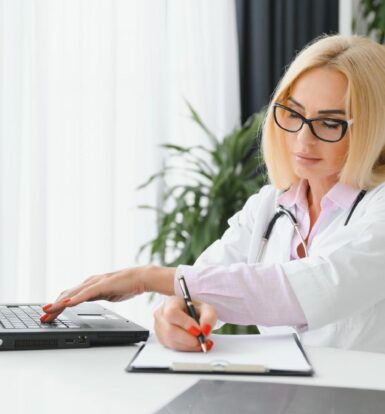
(278, 247)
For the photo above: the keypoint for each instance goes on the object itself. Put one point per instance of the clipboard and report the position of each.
(231, 355)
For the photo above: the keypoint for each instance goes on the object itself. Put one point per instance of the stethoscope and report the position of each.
(280, 211)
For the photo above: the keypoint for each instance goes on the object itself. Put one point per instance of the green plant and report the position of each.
(373, 12)
(220, 179)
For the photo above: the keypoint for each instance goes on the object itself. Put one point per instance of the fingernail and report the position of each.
(65, 301)
(209, 344)
(44, 317)
(206, 329)
(46, 307)
(194, 330)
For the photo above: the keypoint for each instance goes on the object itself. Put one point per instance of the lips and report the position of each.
(306, 156)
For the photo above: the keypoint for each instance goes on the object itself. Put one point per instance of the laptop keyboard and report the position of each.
(28, 317)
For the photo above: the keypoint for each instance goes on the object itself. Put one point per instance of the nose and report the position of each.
(305, 135)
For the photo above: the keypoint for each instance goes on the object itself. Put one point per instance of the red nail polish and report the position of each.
(209, 344)
(194, 330)
(65, 301)
(46, 307)
(206, 329)
(44, 317)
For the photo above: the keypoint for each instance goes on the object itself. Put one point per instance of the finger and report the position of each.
(208, 317)
(173, 336)
(209, 344)
(86, 292)
(182, 347)
(175, 312)
(92, 292)
(180, 340)
(53, 310)
(49, 317)
(58, 305)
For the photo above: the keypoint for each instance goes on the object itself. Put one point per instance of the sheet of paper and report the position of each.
(279, 352)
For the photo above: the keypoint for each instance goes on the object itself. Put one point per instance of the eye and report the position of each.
(330, 124)
(293, 115)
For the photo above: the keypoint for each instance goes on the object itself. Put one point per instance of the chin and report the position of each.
(306, 174)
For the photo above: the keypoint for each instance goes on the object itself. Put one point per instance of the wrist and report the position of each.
(159, 279)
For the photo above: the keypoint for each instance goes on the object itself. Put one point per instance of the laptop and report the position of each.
(81, 326)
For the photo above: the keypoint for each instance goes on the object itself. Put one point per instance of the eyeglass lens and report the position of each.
(327, 129)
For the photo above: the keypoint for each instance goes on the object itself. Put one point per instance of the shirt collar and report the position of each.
(340, 195)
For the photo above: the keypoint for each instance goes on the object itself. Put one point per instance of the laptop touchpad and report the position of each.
(105, 321)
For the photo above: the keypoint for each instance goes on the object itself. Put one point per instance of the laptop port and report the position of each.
(82, 339)
(69, 341)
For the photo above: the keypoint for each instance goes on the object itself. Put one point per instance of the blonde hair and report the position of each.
(362, 61)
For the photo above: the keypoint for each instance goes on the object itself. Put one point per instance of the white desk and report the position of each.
(94, 381)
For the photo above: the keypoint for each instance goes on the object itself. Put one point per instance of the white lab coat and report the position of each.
(340, 286)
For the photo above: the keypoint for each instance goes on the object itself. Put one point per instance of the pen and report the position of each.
(191, 309)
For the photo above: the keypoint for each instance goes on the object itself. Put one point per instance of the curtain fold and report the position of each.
(88, 91)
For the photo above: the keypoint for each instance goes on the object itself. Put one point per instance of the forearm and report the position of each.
(159, 279)
(245, 294)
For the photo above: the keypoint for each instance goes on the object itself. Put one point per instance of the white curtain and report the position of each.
(88, 91)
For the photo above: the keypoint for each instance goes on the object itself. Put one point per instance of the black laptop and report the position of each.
(81, 326)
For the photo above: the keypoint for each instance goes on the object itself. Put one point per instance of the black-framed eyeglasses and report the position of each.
(325, 129)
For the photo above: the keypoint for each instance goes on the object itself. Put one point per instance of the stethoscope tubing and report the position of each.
(280, 211)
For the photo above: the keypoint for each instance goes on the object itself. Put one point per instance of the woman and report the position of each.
(324, 143)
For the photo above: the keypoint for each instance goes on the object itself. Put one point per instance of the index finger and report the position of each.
(53, 310)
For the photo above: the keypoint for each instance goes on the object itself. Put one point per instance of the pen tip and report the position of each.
(204, 347)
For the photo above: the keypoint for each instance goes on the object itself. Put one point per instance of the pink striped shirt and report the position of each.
(273, 301)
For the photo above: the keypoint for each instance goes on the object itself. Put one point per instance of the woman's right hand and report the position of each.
(176, 329)
(114, 286)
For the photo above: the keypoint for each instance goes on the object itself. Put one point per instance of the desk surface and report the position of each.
(94, 380)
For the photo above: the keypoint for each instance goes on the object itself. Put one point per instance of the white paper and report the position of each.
(278, 352)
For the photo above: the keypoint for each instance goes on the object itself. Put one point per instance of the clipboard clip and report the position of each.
(218, 366)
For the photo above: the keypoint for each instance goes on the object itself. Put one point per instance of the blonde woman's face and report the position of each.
(319, 93)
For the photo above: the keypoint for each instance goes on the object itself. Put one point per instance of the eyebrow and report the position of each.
(323, 111)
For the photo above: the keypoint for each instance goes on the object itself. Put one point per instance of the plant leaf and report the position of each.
(197, 119)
